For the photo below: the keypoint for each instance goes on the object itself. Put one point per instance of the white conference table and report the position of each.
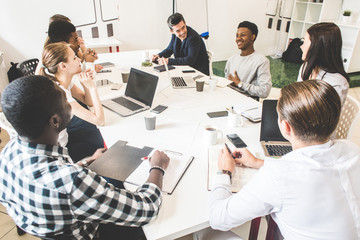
(178, 128)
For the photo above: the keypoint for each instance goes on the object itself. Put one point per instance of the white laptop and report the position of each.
(139, 94)
(181, 82)
(271, 139)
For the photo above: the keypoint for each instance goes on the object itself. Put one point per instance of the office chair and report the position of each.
(28, 67)
(254, 229)
(349, 117)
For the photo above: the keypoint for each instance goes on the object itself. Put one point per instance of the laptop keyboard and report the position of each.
(127, 103)
(278, 150)
(178, 82)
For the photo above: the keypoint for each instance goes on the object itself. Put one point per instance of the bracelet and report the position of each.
(159, 168)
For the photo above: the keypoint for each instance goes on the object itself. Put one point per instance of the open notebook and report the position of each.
(178, 164)
(240, 177)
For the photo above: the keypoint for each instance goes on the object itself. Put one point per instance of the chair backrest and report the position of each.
(210, 55)
(28, 67)
(4, 124)
(255, 225)
(349, 117)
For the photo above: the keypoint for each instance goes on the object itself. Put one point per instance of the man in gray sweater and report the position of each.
(249, 70)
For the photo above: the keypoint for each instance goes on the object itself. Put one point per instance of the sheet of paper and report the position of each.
(240, 177)
(177, 166)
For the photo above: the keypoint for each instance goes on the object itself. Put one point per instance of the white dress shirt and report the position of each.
(311, 193)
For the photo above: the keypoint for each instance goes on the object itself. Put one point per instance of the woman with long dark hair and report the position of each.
(322, 57)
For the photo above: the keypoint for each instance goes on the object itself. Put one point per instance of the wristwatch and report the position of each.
(84, 163)
(225, 172)
(240, 84)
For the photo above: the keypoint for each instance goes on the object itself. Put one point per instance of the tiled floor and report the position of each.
(8, 228)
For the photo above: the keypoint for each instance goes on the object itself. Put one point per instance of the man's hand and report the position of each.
(234, 78)
(244, 157)
(90, 55)
(159, 159)
(98, 67)
(225, 161)
(154, 58)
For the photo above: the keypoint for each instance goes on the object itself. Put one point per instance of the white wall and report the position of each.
(141, 25)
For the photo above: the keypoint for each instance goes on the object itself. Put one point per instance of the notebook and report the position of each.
(139, 94)
(178, 165)
(241, 175)
(180, 82)
(271, 139)
(123, 162)
(161, 68)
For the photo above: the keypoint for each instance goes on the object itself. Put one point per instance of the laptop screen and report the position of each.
(269, 125)
(141, 86)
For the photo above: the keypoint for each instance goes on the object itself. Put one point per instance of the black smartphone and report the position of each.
(188, 71)
(217, 114)
(158, 109)
(236, 140)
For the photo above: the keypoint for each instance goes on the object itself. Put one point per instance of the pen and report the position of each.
(227, 147)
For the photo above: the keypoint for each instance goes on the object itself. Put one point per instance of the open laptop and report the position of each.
(180, 82)
(271, 139)
(139, 94)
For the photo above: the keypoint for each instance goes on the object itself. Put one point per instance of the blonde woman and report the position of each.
(60, 64)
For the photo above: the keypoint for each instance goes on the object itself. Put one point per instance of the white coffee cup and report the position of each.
(235, 119)
(211, 135)
(150, 121)
(212, 84)
(146, 56)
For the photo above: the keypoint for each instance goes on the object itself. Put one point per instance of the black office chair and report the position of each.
(28, 67)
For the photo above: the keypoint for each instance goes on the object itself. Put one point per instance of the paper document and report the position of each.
(173, 173)
(241, 176)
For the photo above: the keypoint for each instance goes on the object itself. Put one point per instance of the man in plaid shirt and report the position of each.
(50, 197)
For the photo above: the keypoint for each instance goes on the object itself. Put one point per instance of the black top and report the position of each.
(191, 51)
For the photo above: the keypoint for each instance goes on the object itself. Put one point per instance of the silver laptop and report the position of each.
(139, 94)
(181, 82)
(272, 141)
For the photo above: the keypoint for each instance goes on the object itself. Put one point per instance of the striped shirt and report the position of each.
(48, 196)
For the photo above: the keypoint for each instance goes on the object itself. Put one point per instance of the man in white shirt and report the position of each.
(249, 70)
(312, 192)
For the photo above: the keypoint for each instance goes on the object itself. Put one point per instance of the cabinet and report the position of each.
(308, 12)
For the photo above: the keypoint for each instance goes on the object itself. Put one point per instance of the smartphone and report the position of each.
(158, 109)
(217, 114)
(236, 140)
(188, 71)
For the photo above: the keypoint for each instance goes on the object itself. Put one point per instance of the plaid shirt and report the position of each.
(49, 196)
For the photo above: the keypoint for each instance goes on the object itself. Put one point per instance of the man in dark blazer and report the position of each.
(186, 45)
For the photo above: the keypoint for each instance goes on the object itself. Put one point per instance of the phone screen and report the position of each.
(236, 140)
(159, 109)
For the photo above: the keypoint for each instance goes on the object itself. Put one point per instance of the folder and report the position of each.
(123, 162)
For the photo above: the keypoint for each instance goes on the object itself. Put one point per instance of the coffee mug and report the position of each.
(235, 119)
(211, 135)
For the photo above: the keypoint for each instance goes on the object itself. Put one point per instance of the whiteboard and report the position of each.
(85, 13)
(109, 10)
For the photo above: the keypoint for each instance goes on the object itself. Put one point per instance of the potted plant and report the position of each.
(346, 17)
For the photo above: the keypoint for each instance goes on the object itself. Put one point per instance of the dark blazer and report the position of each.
(191, 51)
